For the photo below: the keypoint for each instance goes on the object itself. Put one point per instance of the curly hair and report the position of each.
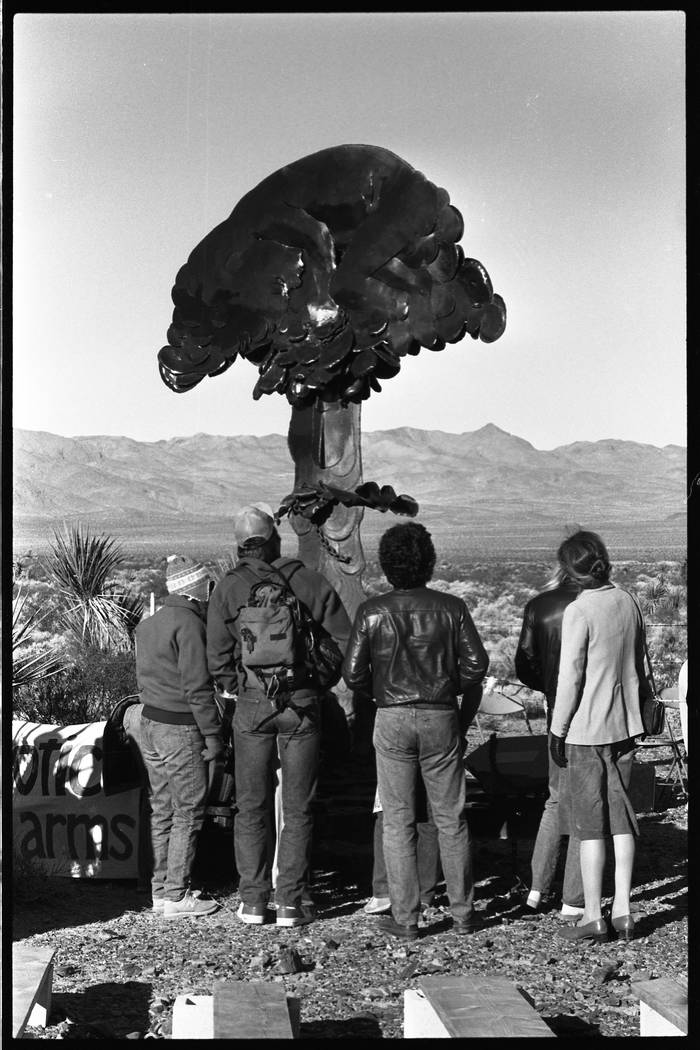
(407, 555)
(584, 559)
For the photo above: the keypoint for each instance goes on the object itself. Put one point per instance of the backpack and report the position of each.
(281, 644)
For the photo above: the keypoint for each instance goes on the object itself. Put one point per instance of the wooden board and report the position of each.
(668, 997)
(32, 976)
(476, 1005)
(193, 1017)
(251, 1010)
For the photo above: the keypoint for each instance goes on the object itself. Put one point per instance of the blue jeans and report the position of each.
(296, 741)
(407, 739)
(179, 783)
(427, 858)
(546, 850)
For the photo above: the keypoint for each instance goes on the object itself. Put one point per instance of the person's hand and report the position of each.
(557, 749)
(214, 748)
(350, 720)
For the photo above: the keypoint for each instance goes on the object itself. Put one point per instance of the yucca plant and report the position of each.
(32, 666)
(97, 612)
(654, 596)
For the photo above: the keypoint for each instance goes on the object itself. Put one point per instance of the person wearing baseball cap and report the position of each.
(259, 736)
(180, 732)
(254, 525)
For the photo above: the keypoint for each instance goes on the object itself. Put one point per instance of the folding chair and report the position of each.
(678, 770)
(496, 702)
(678, 773)
(508, 769)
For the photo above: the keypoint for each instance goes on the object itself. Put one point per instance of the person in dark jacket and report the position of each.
(262, 733)
(416, 650)
(180, 732)
(537, 667)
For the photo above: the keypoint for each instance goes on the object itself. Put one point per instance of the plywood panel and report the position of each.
(32, 975)
(251, 1010)
(478, 1005)
(667, 997)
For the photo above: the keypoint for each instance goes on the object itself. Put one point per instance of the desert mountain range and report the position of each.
(483, 477)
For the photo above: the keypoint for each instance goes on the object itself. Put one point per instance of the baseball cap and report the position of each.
(254, 524)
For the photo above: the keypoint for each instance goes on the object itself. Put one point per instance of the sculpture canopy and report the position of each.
(325, 276)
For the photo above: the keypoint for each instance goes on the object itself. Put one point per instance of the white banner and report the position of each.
(63, 823)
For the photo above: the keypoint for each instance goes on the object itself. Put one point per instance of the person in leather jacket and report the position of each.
(537, 667)
(416, 651)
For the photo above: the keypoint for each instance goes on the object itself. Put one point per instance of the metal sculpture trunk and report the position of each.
(324, 443)
(327, 276)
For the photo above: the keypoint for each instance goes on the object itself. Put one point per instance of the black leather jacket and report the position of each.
(414, 646)
(539, 647)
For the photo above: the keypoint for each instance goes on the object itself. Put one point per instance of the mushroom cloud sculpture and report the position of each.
(326, 276)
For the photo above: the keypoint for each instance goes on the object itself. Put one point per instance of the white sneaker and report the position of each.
(159, 902)
(377, 906)
(189, 905)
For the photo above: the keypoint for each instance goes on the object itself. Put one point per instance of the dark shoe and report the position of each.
(252, 914)
(523, 911)
(623, 926)
(295, 915)
(387, 924)
(470, 925)
(592, 931)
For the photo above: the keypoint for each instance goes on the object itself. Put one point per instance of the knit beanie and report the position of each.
(182, 573)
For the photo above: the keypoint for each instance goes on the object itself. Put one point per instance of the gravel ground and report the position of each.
(119, 968)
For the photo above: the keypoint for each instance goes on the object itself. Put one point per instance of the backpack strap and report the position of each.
(288, 579)
(254, 578)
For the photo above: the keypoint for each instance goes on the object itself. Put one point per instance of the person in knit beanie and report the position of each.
(181, 732)
(185, 576)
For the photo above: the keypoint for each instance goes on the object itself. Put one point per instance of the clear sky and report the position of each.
(560, 137)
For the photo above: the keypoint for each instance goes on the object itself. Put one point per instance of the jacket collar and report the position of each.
(181, 601)
(264, 566)
(258, 564)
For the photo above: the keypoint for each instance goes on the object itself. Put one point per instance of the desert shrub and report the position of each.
(42, 601)
(84, 692)
(98, 613)
(667, 651)
(32, 659)
(222, 564)
(142, 581)
(501, 653)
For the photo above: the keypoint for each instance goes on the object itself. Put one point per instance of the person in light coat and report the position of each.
(597, 716)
